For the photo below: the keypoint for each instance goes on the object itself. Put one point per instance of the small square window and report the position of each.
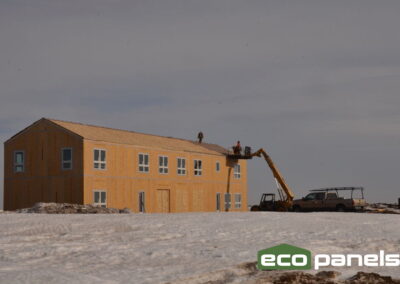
(144, 163)
(238, 200)
(198, 170)
(99, 159)
(236, 172)
(217, 166)
(19, 161)
(66, 158)
(163, 164)
(100, 198)
(181, 168)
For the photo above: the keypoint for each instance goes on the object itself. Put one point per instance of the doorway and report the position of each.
(163, 201)
(218, 200)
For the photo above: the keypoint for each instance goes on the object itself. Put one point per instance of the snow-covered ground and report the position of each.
(154, 248)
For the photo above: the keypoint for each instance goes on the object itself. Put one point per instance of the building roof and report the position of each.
(111, 135)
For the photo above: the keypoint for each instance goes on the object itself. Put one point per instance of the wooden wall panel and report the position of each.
(189, 193)
(43, 179)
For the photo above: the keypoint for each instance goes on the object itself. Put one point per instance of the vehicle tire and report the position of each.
(281, 209)
(340, 208)
(255, 208)
(296, 208)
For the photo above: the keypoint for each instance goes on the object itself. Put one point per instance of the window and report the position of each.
(181, 166)
(236, 171)
(100, 198)
(218, 200)
(227, 201)
(66, 158)
(163, 164)
(100, 159)
(19, 161)
(315, 196)
(331, 195)
(144, 163)
(197, 168)
(141, 202)
(238, 200)
(310, 196)
(217, 166)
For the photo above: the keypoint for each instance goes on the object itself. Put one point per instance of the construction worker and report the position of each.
(200, 136)
(237, 150)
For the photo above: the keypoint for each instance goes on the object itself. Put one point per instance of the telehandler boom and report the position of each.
(285, 193)
(288, 193)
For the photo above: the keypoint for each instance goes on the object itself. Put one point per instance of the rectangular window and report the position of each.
(217, 166)
(198, 168)
(181, 166)
(238, 200)
(144, 163)
(66, 158)
(236, 172)
(163, 164)
(100, 198)
(218, 200)
(99, 159)
(142, 202)
(19, 161)
(227, 201)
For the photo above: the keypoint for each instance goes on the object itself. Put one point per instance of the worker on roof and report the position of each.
(200, 136)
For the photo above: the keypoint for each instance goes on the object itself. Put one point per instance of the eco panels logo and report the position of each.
(287, 257)
(284, 257)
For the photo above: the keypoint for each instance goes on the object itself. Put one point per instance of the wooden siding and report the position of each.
(43, 179)
(187, 193)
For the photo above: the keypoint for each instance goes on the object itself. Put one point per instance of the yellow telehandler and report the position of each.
(268, 202)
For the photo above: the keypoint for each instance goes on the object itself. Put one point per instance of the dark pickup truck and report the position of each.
(329, 199)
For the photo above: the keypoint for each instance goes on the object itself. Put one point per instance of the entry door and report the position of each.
(163, 200)
(218, 200)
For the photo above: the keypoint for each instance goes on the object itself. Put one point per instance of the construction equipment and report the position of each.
(267, 203)
(286, 195)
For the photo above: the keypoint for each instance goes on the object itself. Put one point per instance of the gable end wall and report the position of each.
(43, 179)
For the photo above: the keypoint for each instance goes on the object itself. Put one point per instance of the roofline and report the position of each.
(23, 130)
(54, 122)
(130, 131)
(36, 122)
(65, 129)
(119, 129)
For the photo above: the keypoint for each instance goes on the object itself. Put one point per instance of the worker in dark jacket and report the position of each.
(237, 150)
(200, 136)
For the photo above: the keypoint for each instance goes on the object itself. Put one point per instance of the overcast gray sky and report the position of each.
(316, 83)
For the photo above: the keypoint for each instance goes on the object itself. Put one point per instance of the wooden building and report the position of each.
(58, 161)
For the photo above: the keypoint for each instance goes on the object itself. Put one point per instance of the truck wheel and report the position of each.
(296, 208)
(255, 208)
(340, 208)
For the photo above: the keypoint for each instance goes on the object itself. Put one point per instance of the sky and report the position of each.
(315, 83)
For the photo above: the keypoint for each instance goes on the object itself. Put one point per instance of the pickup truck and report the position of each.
(328, 199)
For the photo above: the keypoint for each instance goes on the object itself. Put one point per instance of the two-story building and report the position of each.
(65, 162)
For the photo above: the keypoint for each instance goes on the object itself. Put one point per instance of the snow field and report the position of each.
(156, 248)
